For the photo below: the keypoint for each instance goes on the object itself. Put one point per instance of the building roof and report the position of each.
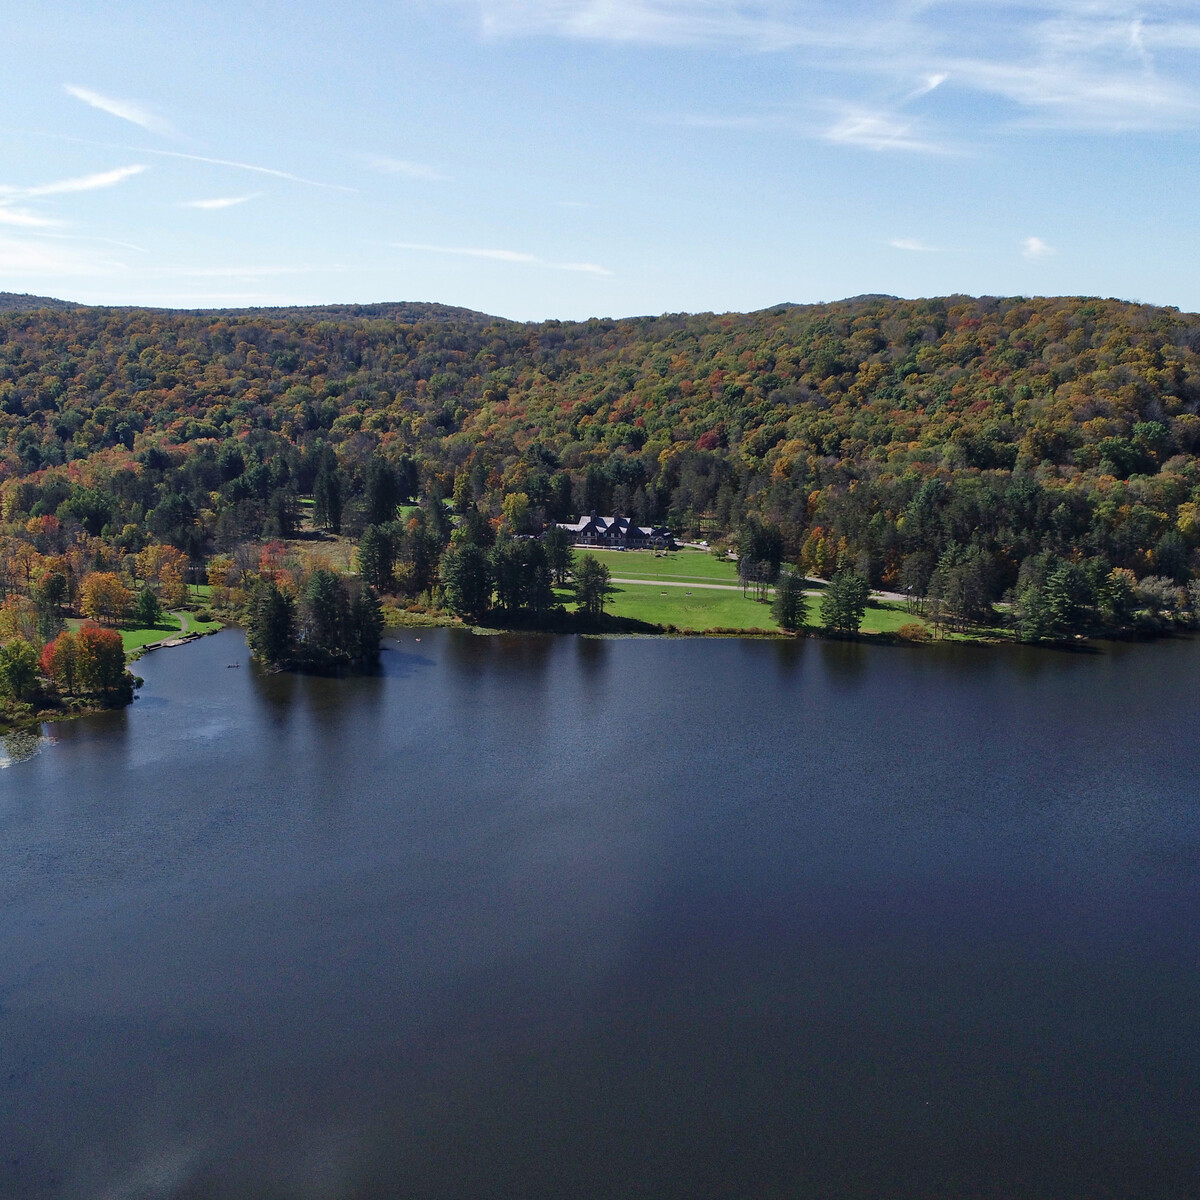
(612, 527)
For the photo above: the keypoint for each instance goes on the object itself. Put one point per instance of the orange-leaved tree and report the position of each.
(101, 659)
(60, 662)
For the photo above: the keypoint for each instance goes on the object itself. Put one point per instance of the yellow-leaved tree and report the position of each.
(104, 597)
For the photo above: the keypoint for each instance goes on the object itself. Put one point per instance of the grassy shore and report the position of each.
(716, 601)
(658, 591)
(694, 611)
(689, 591)
(135, 638)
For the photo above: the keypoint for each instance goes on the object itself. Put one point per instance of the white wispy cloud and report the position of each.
(1095, 65)
(219, 201)
(82, 183)
(408, 170)
(1035, 248)
(759, 24)
(201, 158)
(25, 257)
(24, 218)
(240, 272)
(508, 256)
(930, 83)
(126, 110)
(880, 131)
(93, 239)
(914, 246)
(244, 166)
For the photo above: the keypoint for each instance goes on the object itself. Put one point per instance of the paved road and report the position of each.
(737, 587)
(712, 587)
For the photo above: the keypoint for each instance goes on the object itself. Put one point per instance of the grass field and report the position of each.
(681, 566)
(705, 608)
(698, 610)
(171, 624)
(135, 638)
(882, 616)
(693, 610)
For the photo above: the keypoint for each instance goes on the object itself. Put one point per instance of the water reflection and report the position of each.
(592, 655)
(602, 917)
(845, 660)
(403, 659)
(275, 692)
(108, 728)
(789, 654)
(512, 652)
(330, 699)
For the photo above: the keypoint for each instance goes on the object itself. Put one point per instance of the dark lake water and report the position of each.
(560, 918)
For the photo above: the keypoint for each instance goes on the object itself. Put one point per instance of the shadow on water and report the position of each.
(845, 661)
(108, 726)
(275, 692)
(515, 653)
(788, 654)
(592, 654)
(333, 696)
(402, 661)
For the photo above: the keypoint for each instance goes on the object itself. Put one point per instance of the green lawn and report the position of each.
(193, 624)
(172, 623)
(707, 609)
(701, 609)
(134, 638)
(882, 616)
(683, 566)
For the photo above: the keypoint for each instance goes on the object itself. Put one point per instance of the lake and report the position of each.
(542, 917)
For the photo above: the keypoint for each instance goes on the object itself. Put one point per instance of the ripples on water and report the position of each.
(571, 919)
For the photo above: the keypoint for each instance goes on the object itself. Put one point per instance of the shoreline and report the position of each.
(180, 639)
(1080, 645)
(56, 716)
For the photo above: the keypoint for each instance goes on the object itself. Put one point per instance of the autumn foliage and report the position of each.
(90, 660)
(909, 440)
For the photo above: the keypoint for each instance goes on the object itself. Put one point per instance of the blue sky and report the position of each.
(572, 158)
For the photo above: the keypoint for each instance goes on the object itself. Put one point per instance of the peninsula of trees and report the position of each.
(1029, 461)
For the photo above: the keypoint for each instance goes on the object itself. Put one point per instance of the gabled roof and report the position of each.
(613, 527)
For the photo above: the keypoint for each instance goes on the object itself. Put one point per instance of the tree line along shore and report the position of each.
(1001, 467)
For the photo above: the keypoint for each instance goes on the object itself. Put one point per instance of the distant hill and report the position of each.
(969, 445)
(22, 302)
(407, 312)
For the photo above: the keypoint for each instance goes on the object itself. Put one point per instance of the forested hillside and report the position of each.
(965, 449)
(24, 302)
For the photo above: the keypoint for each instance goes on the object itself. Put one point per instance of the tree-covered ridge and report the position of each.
(881, 385)
(959, 449)
(24, 302)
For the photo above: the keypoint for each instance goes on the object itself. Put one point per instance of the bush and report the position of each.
(914, 631)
